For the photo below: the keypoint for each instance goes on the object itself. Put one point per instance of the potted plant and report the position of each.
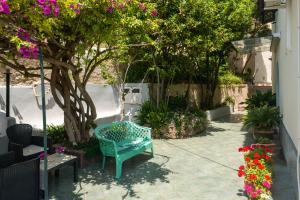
(263, 120)
(266, 142)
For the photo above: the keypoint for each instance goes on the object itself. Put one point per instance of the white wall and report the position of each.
(263, 67)
(26, 107)
(287, 56)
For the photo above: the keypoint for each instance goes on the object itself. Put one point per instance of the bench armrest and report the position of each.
(108, 147)
(144, 131)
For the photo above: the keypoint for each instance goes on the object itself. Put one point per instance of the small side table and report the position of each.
(57, 161)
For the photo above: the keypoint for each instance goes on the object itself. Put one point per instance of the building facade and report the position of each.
(286, 80)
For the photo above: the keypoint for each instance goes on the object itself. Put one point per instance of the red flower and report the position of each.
(267, 177)
(242, 167)
(247, 159)
(256, 155)
(241, 173)
(252, 177)
(256, 161)
(268, 150)
(261, 166)
(268, 157)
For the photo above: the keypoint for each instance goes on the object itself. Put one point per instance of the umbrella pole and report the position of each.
(44, 124)
(7, 74)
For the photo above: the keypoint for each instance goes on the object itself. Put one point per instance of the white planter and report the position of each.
(218, 112)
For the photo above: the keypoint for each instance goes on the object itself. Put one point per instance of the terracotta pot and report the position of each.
(263, 133)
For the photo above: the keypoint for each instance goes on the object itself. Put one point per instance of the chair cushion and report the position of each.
(32, 149)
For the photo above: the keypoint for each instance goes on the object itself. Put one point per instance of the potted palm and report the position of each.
(263, 120)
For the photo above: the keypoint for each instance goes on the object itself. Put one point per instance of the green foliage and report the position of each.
(160, 117)
(91, 148)
(263, 118)
(229, 79)
(151, 115)
(264, 140)
(177, 103)
(58, 134)
(229, 100)
(261, 99)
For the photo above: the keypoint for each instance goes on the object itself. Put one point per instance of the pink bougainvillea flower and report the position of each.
(42, 156)
(110, 10)
(267, 184)
(56, 11)
(121, 6)
(24, 35)
(47, 10)
(52, 2)
(76, 8)
(34, 51)
(42, 2)
(142, 7)
(154, 13)
(24, 51)
(4, 7)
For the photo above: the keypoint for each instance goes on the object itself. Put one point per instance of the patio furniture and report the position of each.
(24, 144)
(20, 181)
(7, 159)
(123, 140)
(57, 161)
(3, 144)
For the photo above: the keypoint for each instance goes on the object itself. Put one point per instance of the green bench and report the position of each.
(123, 140)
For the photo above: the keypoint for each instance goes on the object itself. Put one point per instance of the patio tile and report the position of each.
(199, 168)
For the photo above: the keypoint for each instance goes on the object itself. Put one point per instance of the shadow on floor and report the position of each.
(137, 170)
(234, 118)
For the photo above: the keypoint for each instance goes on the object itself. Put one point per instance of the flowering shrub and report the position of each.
(42, 156)
(257, 172)
(4, 7)
(60, 149)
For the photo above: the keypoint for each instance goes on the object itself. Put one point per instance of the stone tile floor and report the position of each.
(199, 168)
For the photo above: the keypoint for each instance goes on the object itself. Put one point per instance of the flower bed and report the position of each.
(257, 172)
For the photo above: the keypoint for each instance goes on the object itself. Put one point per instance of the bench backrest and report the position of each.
(111, 134)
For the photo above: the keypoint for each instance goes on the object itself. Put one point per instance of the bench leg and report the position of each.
(103, 162)
(152, 152)
(118, 168)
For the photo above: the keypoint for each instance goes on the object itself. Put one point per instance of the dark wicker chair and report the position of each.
(7, 159)
(20, 181)
(21, 140)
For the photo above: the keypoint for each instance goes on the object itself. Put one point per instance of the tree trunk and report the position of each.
(77, 105)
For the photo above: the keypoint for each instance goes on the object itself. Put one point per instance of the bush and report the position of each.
(91, 148)
(263, 118)
(58, 134)
(160, 118)
(229, 78)
(177, 103)
(261, 99)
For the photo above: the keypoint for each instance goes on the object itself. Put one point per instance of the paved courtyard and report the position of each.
(199, 168)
